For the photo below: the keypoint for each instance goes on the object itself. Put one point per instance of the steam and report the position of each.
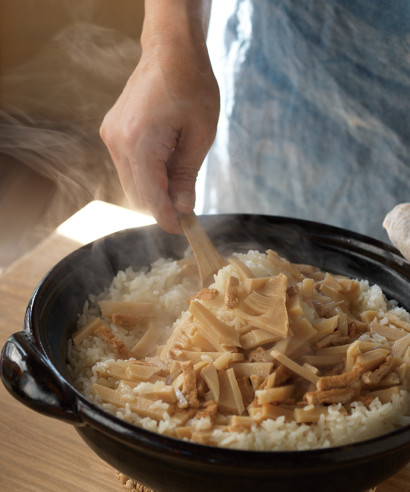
(52, 107)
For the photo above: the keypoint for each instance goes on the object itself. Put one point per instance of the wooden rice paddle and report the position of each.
(208, 260)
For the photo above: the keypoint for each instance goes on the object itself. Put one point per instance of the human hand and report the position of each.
(163, 124)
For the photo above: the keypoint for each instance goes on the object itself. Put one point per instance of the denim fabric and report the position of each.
(315, 115)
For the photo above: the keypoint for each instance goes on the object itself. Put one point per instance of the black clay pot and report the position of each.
(33, 362)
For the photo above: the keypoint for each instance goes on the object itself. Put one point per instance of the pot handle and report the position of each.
(31, 379)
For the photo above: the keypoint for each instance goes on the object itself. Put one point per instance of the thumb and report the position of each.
(184, 201)
(182, 173)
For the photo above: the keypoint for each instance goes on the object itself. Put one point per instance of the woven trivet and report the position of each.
(132, 485)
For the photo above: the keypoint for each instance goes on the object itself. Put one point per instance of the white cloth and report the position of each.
(315, 110)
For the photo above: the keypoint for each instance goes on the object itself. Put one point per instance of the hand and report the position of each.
(162, 126)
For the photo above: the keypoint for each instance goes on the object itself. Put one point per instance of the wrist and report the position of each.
(174, 21)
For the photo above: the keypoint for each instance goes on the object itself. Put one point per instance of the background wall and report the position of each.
(62, 65)
(27, 25)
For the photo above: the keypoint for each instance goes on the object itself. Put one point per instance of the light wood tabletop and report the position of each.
(38, 453)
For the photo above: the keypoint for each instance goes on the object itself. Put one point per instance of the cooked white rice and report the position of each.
(168, 290)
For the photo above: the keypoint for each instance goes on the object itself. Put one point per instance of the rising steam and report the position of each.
(52, 107)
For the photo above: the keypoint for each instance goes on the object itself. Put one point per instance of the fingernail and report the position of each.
(186, 200)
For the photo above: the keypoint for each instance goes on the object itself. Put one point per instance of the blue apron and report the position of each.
(315, 110)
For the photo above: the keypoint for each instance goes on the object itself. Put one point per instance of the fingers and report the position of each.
(149, 189)
(139, 148)
(165, 181)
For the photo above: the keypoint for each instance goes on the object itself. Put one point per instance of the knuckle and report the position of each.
(205, 133)
(127, 136)
(108, 131)
(117, 131)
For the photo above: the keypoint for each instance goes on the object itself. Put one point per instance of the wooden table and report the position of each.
(38, 453)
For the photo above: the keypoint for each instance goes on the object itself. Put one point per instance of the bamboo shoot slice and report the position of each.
(210, 375)
(226, 402)
(258, 302)
(400, 346)
(165, 392)
(269, 411)
(303, 331)
(325, 326)
(368, 316)
(349, 287)
(307, 288)
(215, 329)
(140, 372)
(227, 358)
(400, 323)
(391, 379)
(256, 338)
(294, 306)
(275, 286)
(184, 432)
(276, 394)
(237, 395)
(131, 308)
(251, 284)
(244, 271)
(338, 350)
(387, 331)
(197, 356)
(270, 306)
(142, 406)
(180, 339)
(108, 395)
(200, 342)
(275, 320)
(372, 359)
(240, 423)
(117, 371)
(302, 371)
(352, 352)
(332, 293)
(284, 265)
(309, 414)
(386, 395)
(147, 342)
(86, 330)
(248, 369)
(322, 360)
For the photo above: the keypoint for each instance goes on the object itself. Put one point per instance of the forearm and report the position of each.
(175, 21)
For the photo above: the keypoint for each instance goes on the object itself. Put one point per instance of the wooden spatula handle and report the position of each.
(208, 259)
